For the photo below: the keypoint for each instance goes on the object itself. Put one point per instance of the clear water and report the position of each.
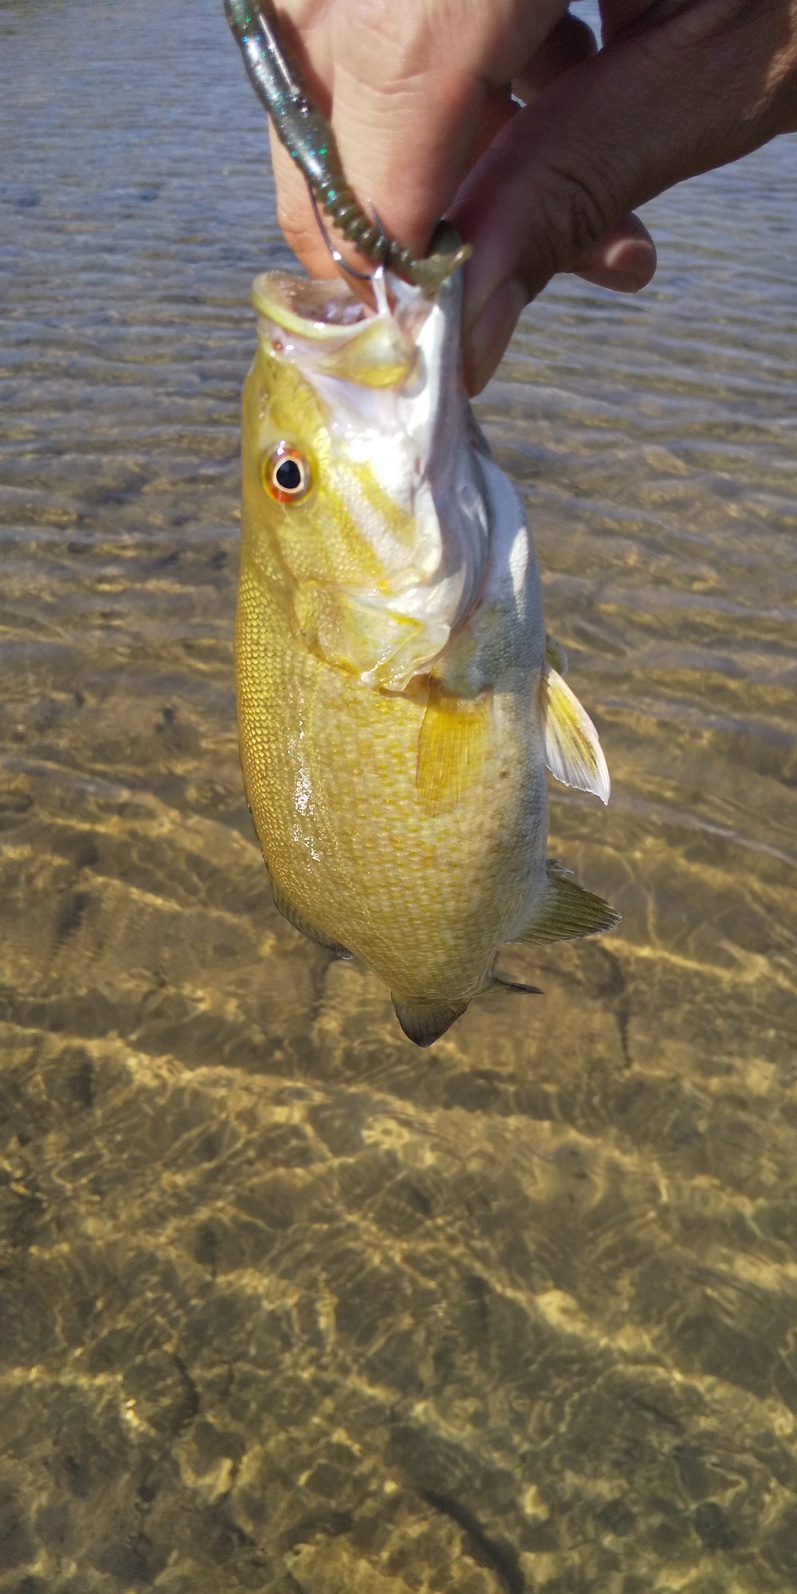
(284, 1303)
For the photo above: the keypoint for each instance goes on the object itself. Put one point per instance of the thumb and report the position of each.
(654, 107)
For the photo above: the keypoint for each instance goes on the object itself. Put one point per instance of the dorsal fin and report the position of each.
(289, 912)
(573, 752)
(425, 1022)
(567, 911)
(451, 747)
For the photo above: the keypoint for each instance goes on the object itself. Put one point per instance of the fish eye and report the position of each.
(286, 474)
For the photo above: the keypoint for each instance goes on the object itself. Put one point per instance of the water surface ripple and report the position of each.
(287, 1305)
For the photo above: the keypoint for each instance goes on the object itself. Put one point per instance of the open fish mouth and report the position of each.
(303, 314)
(322, 326)
(318, 309)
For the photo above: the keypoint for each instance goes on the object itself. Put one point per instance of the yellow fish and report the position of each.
(397, 701)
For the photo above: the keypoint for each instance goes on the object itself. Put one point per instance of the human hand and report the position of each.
(416, 94)
(421, 101)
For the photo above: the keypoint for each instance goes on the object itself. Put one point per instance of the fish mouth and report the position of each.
(325, 329)
(318, 309)
(322, 309)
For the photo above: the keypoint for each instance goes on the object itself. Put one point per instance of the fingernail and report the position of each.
(488, 338)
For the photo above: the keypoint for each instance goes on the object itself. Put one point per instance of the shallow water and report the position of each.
(286, 1304)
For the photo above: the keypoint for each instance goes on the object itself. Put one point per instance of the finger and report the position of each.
(416, 92)
(567, 44)
(624, 259)
(409, 104)
(457, 121)
(296, 216)
(648, 111)
(305, 233)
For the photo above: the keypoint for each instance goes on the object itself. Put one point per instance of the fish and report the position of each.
(399, 702)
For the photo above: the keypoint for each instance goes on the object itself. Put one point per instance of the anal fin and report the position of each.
(289, 912)
(568, 911)
(425, 1022)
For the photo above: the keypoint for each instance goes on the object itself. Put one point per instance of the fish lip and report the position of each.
(318, 309)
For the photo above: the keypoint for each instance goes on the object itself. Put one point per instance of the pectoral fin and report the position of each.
(425, 1022)
(289, 912)
(568, 911)
(573, 752)
(451, 747)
